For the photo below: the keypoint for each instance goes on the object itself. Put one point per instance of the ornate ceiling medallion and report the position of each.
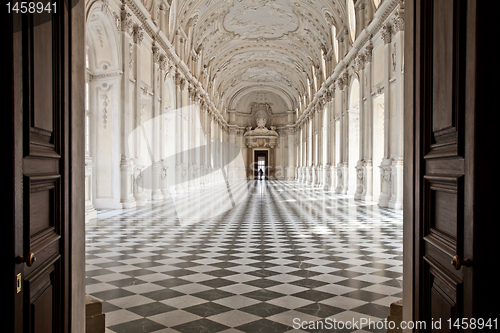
(258, 19)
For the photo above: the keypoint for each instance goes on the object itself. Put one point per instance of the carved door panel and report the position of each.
(41, 81)
(441, 232)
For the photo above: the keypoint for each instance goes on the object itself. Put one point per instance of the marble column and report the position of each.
(250, 173)
(90, 212)
(291, 154)
(397, 54)
(156, 181)
(126, 163)
(319, 143)
(360, 166)
(368, 193)
(309, 149)
(332, 148)
(165, 127)
(139, 194)
(314, 147)
(179, 86)
(190, 136)
(386, 165)
(327, 160)
(341, 164)
(198, 144)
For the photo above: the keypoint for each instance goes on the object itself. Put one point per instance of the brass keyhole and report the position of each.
(19, 283)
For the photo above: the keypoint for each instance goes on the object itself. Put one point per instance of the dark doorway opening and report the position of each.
(261, 161)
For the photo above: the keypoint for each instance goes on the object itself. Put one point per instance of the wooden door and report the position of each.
(36, 240)
(448, 146)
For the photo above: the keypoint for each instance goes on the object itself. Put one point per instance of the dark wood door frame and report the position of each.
(477, 240)
(61, 173)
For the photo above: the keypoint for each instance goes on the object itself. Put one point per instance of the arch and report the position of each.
(335, 43)
(104, 57)
(237, 96)
(168, 93)
(102, 40)
(354, 93)
(351, 15)
(172, 20)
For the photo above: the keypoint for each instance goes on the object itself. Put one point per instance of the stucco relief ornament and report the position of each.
(105, 110)
(387, 33)
(164, 171)
(162, 61)
(398, 22)
(138, 34)
(360, 61)
(368, 52)
(386, 174)
(104, 6)
(261, 122)
(393, 57)
(126, 21)
(130, 54)
(360, 173)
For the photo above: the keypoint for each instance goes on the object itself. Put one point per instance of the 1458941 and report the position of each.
(473, 323)
(31, 7)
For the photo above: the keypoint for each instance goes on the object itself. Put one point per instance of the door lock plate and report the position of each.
(19, 283)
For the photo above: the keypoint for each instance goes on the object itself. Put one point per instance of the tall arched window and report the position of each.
(352, 19)
(335, 43)
(376, 3)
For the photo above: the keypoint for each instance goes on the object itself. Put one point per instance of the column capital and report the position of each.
(156, 53)
(162, 60)
(368, 52)
(360, 61)
(179, 80)
(126, 23)
(387, 33)
(138, 34)
(398, 22)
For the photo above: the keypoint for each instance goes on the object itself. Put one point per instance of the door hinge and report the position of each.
(19, 283)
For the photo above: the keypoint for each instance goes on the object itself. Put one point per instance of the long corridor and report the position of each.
(282, 258)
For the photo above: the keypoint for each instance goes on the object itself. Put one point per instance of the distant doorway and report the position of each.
(261, 162)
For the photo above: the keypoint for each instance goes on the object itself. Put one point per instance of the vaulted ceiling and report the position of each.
(253, 48)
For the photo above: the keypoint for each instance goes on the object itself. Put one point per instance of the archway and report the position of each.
(102, 121)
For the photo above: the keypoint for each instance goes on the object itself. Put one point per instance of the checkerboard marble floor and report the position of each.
(287, 251)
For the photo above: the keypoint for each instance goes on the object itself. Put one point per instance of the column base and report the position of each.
(141, 201)
(129, 203)
(157, 195)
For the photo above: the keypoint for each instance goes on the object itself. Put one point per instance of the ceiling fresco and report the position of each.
(251, 46)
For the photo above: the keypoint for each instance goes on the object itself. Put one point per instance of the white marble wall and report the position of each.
(363, 99)
(150, 119)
